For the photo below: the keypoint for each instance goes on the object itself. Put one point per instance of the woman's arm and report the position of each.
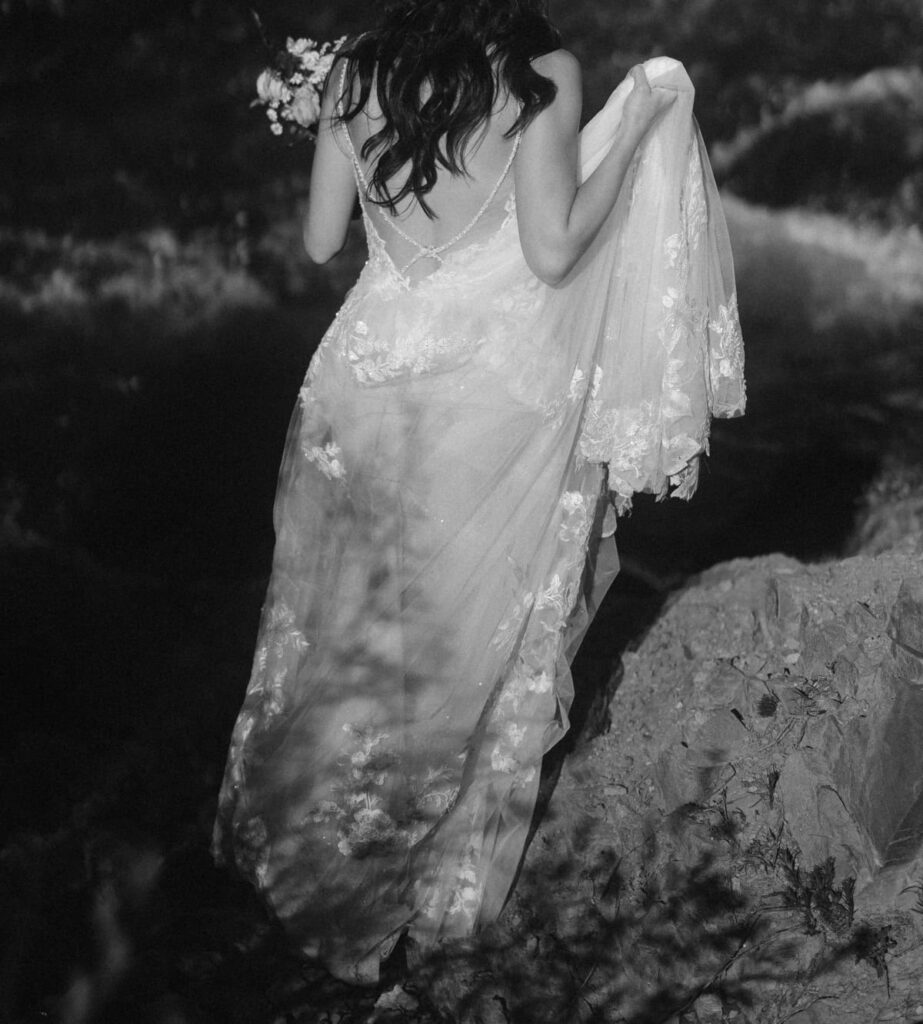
(333, 185)
(558, 217)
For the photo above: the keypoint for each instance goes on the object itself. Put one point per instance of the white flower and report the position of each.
(305, 106)
(271, 87)
(298, 47)
(293, 95)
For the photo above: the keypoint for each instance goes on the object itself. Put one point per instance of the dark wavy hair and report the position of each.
(461, 50)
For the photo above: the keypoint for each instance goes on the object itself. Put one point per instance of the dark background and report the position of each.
(156, 318)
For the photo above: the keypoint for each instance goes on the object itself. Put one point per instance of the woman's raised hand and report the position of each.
(645, 105)
(558, 214)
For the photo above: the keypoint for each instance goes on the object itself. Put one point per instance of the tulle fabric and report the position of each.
(439, 556)
(657, 305)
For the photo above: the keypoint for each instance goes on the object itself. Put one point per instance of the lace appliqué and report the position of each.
(510, 626)
(364, 827)
(469, 888)
(521, 713)
(366, 823)
(508, 755)
(726, 361)
(457, 897)
(282, 645)
(251, 847)
(282, 642)
(624, 438)
(658, 439)
(328, 458)
(377, 360)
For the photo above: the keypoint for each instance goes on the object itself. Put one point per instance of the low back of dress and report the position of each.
(469, 209)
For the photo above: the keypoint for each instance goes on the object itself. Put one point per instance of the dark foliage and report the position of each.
(851, 149)
(117, 115)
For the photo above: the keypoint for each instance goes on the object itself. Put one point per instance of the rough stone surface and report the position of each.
(767, 730)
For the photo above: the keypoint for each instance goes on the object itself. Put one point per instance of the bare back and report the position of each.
(469, 208)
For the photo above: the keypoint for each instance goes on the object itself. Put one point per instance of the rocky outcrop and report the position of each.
(763, 781)
(814, 673)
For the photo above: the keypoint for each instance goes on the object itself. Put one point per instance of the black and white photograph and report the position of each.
(461, 511)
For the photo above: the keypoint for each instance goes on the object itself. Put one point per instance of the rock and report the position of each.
(854, 780)
(395, 1004)
(763, 771)
(906, 624)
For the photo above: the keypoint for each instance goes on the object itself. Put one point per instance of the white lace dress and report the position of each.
(439, 493)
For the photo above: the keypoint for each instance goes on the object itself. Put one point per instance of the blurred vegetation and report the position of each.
(746, 57)
(118, 116)
(156, 316)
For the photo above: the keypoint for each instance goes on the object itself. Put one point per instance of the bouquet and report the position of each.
(291, 88)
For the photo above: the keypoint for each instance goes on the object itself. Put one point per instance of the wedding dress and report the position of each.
(439, 516)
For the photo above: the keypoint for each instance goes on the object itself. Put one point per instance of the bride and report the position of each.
(545, 322)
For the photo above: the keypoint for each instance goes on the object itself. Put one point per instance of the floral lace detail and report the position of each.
(433, 795)
(252, 847)
(622, 438)
(328, 459)
(694, 206)
(575, 524)
(376, 360)
(557, 406)
(558, 596)
(456, 898)
(503, 758)
(521, 683)
(364, 826)
(522, 702)
(511, 754)
(511, 625)
(281, 641)
(578, 386)
(673, 249)
(726, 360)
(371, 830)
(657, 440)
(466, 899)
(367, 825)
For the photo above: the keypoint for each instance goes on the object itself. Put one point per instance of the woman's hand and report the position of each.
(645, 105)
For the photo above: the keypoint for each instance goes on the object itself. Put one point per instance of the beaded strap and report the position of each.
(425, 251)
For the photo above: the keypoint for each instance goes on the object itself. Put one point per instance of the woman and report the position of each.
(438, 515)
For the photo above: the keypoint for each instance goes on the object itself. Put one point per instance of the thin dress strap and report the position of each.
(423, 251)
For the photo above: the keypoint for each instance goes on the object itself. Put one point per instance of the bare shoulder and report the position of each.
(334, 85)
(561, 66)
